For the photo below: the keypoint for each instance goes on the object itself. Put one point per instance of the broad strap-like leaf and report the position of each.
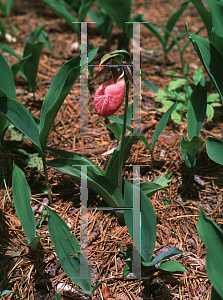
(19, 65)
(148, 219)
(211, 59)
(83, 10)
(97, 182)
(197, 108)
(58, 90)
(68, 251)
(59, 7)
(119, 11)
(162, 124)
(7, 81)
(8, 86)
(35, 34)
(212, 236)
(217, 15)
(165, 255)
(204, 13)
(78, 158)
(192, 146)
(174, 18)
(19, 116)
(30, 67)
(112, 167)
(172, 266)
(215, 149)
(22, 198)
(150, 188)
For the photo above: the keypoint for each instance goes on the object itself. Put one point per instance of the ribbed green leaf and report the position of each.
(68, 251)
(148, 220)
(215, 149)
(58, 90)
(165, 255)
(16, 113)
(197, 108)
(8, 86)
(174, 18)
(97, 182)
(204, 13)
(112, 167)
(22, 198)
(172, 266)
(119, 11)
(30, 68)
(212, 236)
(59, 7)
(217, 15)
(211, 59)
(162, 124)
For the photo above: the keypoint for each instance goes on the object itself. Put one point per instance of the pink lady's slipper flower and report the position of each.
(109, 96)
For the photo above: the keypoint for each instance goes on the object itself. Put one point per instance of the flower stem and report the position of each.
(121, 156)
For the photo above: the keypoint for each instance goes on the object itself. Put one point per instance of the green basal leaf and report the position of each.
(204, 13)
(111, 170)
(119, 11)
(150, 188)
(44, 38)
(83, 10)
(18, 66)
(148, 219)
(197, 108)
(97, 182)
(211, 59)
(217, 15)
(58, 90)
(59, 7)
(165, 255)
(192, 146)
(162, 124)
(30, 68)
(212, 236)
(215, 149)
(68, 252)
(188, 160)
(34, 35)
(8, 86)
(22, 197)
(8, 49)
(173, 19)
(7, 81)
(21, 118)
(172, 266)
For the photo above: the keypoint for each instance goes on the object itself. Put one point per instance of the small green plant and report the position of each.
(197, 108)
(164, 40)
(168, 96)
(148, 231)
(31, 55)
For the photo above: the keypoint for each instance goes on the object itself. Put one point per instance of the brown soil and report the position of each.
(38, 278)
